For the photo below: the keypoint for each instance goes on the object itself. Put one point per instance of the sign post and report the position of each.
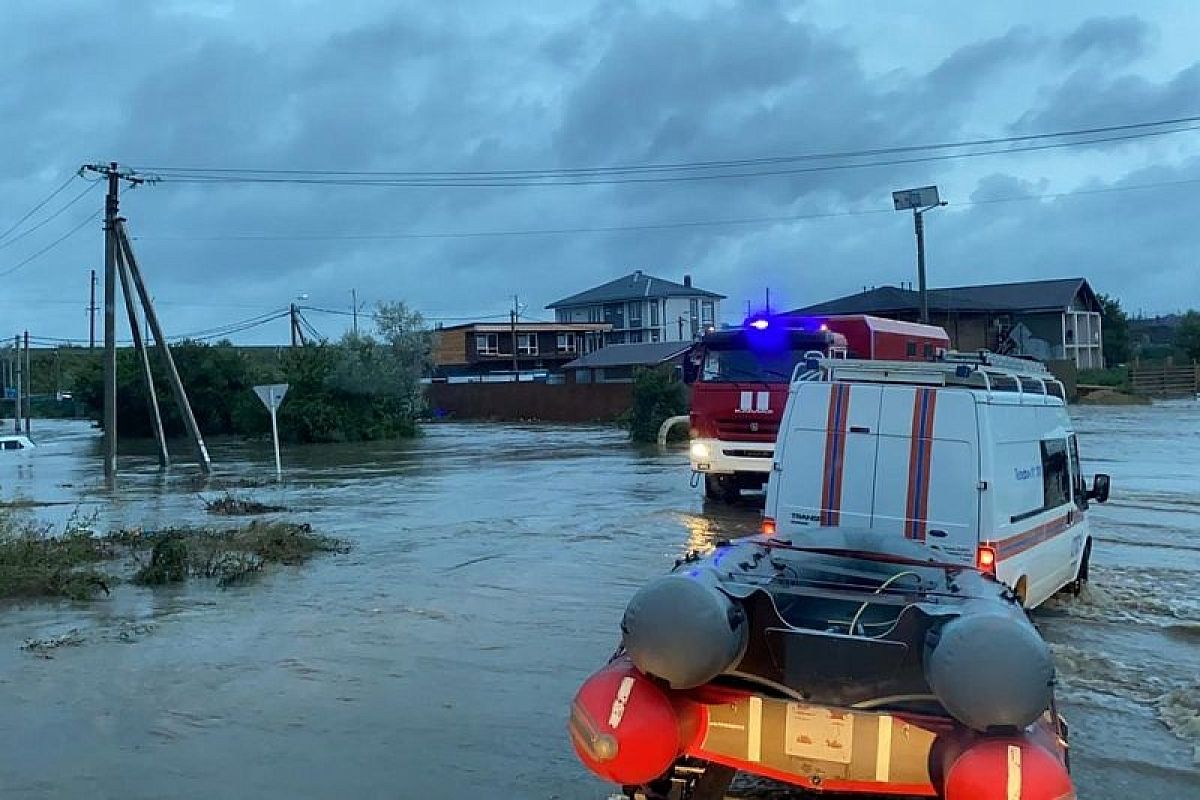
(271, 395)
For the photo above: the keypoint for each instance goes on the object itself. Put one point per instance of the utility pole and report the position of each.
(181, 399)
(17, 396)
(354, 300)
(139, 346)
(111, 204)
(513, 316)
(92, 315)
(28, 383)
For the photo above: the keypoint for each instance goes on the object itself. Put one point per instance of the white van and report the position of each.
(972, 455)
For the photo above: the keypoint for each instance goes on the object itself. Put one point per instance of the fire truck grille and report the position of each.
(741, 430)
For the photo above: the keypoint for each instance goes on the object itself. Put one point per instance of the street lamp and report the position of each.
(919, 200)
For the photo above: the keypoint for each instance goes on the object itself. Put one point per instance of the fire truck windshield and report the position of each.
(745, 364)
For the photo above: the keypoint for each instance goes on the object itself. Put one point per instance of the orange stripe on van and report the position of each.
(835, 453)
(920, 456)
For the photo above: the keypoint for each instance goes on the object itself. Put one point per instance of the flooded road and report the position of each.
(490, 568)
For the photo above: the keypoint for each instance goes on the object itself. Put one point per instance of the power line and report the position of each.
(691, 165)
(55, 215)
(52, 244)
(654, 226)
(317, 180)
(37, 207)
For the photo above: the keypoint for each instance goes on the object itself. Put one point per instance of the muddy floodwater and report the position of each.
(490, 567)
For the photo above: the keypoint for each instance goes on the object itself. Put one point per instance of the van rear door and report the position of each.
(827, 458)
(927, 475)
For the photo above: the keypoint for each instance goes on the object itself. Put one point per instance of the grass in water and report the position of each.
(35, 562)
(232, 504)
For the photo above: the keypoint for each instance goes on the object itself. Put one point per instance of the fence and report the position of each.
(567, 402)
(1166, 380)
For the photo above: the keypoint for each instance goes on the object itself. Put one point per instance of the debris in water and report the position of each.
(232, 505)
(43, 648)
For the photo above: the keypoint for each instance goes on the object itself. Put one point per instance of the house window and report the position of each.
(527, 344)
(593, 313)
(910, 349)
(693, 306)
(487, 344)
(614, 313)
(567, 343)
(654, 314)
(654, 335)
(706, 312)
(635, 314)
(635, 337)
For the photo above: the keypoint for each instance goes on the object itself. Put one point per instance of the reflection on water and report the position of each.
(490, 570)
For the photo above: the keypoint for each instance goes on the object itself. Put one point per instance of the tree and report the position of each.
(1115, 330)
(657, 396)
(1187, 335)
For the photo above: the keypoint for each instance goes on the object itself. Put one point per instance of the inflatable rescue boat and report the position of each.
(845, 661)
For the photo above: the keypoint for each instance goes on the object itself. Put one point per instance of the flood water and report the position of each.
(491, 564)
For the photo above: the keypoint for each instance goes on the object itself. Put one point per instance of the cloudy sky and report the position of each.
(365, 86)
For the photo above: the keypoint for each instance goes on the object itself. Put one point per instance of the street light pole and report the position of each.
(919, 200)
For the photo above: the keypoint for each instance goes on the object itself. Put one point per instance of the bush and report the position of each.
(657, 396)
(358, 389)
(1114, 376)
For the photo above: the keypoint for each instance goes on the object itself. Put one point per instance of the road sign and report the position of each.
(923, 197)
(271, 395)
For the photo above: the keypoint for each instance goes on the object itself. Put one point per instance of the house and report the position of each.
(643, 308)
(616, 363)
(1050, 320)
(482, 348)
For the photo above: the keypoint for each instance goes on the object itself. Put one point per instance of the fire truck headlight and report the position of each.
(700, 451)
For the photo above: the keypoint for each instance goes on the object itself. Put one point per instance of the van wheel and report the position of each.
(1021, 590)
(1081, 577)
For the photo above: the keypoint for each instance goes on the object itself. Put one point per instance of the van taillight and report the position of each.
(985, 559)
(768, 526)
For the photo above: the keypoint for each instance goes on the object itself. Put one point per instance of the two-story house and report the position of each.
(485, 348)
(643, 308)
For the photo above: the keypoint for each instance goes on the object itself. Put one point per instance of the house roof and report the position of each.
(1049, 295)
(627, 355)
(530, 327)
(631, 287)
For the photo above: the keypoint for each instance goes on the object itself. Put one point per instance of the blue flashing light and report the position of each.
(760, 324)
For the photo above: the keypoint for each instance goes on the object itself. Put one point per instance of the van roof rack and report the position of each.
(982, 369)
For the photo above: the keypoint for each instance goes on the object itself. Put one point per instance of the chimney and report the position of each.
(637, 275)
(687, 281)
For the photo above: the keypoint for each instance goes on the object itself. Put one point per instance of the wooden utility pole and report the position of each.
(181, 400)
(139, 346)
(28, 383)
(111, 204)
(354, 299)
(92, 315)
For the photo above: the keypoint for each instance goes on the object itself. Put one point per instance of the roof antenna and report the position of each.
(768, 301)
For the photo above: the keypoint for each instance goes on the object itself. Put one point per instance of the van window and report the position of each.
(1078, 484)
(1056, 476)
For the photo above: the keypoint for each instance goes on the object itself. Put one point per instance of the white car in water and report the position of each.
(16, 442)
(973, 456)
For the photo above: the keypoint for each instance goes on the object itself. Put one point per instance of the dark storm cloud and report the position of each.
(1117, 38)
(470, 87)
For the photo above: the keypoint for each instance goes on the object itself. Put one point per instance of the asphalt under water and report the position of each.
(491, 565)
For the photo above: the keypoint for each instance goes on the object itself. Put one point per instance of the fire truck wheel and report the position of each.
(722, 487)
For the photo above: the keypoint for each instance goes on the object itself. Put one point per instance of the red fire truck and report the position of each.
(740, 376)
